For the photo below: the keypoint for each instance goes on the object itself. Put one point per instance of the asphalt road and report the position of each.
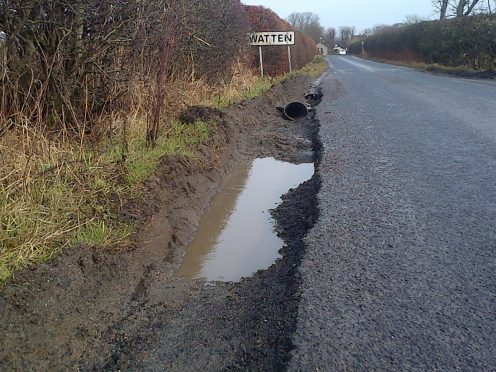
(400, 270)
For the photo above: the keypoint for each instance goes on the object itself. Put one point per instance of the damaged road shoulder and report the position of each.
(242, 326)
(106, 310)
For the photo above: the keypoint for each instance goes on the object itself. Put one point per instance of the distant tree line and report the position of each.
(309, 25)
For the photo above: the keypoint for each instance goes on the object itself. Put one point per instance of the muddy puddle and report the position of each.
(236, 235)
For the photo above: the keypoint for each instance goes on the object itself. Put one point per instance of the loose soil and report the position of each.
(91, 309)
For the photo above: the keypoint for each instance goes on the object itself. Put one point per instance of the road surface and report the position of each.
(400, 270)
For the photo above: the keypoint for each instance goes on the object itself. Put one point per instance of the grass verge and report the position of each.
(59, 194)
(460, 71)
(55, 193)
(314, 69)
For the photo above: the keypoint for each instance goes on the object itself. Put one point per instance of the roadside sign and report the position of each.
(272, 38)
(260, 39)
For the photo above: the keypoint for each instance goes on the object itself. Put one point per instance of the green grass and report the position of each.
(5, 272)
(102, 234)
(314, 69)
(66, 202)
(263, 85)
(182, 139)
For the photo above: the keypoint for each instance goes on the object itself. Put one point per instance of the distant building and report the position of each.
(323, 49)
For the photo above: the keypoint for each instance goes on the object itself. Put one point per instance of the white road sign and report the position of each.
(272, 38)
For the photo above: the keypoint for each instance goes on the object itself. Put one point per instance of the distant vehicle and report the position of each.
(340, 51)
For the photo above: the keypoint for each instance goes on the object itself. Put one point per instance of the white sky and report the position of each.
(360, 13)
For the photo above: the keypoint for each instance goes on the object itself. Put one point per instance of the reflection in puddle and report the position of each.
(236, 235)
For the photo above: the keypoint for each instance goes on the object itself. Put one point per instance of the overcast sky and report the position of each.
(360, 13)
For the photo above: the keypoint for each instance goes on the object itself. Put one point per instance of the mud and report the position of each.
(236, 235)
(92, 309)
(194, 113)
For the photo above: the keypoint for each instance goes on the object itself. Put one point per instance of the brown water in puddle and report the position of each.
(236, 235)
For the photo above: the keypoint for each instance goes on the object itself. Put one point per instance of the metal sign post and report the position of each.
(261, 39)
(261, 61)
(289, 59)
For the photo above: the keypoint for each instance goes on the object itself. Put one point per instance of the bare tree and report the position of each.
(465, 7)
(377, 29)
(346, 34)
(353, 31)
(462, 8)
(330, 37)
(308, 24)
(413, 19)
(491, 6)
(442, 7)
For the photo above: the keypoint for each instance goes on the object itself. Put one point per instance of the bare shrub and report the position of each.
(67, 65)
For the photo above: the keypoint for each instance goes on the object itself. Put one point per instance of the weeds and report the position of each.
(58, 194)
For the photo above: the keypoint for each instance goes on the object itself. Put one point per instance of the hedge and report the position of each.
(276, 62)
(460, 42)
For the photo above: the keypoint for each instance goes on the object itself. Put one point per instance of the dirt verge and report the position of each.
(90, 309)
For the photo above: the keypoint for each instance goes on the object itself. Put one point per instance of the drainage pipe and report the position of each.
(296, 111)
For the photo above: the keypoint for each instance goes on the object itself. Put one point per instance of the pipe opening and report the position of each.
(296, 111)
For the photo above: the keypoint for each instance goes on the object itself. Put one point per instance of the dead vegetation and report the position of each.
(67, 66)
